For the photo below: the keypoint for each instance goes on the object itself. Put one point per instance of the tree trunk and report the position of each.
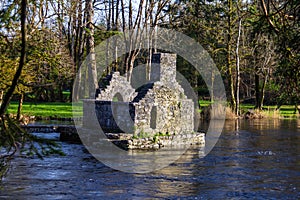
(212, 86)
(238, 69)
(231, 82)
(115, 28)
(108, 16)
(131, 63)
(130, 15)
(1, 96)
(20, 106)
(123, 15)
(90, 47)
(257, 92)
(75, 94)
(77, 90)
(60, 93)
(262, 93)
(229, 66)
(51, 96)
(150, 49)
(9, 93)
(117, 15)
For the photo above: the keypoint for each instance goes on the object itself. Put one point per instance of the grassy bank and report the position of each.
(285, 111)
(64, 110)
(45, 109)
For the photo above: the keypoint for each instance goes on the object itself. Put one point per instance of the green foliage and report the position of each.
(269, 46)
(101, 35)
(141, 135)
(203, 103)
(288, 77)
(50, 65)
(162, 134)
(155, 139)
(157, 135)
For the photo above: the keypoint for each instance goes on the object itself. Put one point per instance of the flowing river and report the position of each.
(255, 159)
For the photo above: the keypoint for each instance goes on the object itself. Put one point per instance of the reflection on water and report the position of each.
(130, 161)
(256, 159)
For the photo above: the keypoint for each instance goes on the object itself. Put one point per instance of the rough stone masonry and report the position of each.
(159, 106)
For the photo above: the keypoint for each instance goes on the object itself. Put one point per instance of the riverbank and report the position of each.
(64, 111)
(46, 111)
(248, 111)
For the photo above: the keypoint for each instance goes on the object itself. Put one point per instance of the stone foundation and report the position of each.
(167, 141)
(130, 142)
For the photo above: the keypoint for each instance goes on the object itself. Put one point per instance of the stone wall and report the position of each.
(118, 87)
(126, 141)
(172, 113)
(163, 69)
(111, 116)
(183, 140)
(89, 114)
(187, 115)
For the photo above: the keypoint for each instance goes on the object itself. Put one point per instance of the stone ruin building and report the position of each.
(159, 106)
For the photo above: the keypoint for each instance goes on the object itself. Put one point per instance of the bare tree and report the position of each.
(147, 15)
(263, 58)
(90, 48)
(238, 77)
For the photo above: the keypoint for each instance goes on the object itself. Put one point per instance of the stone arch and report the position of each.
(117, 97)
(117, 86)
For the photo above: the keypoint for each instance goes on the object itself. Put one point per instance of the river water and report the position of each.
(252, 160)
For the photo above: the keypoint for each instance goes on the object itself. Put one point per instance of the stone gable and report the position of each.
(157, 107)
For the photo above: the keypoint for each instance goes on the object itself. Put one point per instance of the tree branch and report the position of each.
(18, 73)
(268, 17)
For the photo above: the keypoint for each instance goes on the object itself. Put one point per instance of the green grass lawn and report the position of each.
(287, 111)
(64, 110)
(46, 109)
